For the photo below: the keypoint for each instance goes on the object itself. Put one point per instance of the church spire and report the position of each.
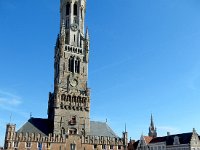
(152, 128)
(152, 124)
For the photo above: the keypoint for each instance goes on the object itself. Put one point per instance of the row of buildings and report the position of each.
(183, 141)
(68, 126)
(104, 138)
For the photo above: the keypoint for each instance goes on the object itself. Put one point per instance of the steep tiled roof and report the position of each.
(35, 125)
(101, 129)
(38, 125)
(148, 139)
(184, 138)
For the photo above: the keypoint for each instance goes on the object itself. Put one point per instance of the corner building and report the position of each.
(68, 126)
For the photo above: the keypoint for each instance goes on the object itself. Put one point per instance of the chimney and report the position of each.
(168, 133)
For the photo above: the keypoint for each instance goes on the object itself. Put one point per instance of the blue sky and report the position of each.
(144, 59)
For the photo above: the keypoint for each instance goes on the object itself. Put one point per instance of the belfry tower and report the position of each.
(69, 104)
(68, 125)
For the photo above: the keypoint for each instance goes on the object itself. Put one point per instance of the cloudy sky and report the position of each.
(144, 59)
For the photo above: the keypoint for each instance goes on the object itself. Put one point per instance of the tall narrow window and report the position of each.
(28, 145)
(75, 10)
(71, 64)
(63, 97)
(81, 13)
(67, 9)
(39, 145)
(72, 146)
(95, 146)
(103, 147)
(67, 38)
(67, 23)
(77, 66)
(80, 42)
(63, 131)
(74, 38)
(64, 63)
(48, 145)
(16, 145)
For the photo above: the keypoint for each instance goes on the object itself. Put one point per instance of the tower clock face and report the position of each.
(74, 27)
(73, 82)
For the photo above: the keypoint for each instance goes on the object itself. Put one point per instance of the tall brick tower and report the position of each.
(69, 104)
(68, 126)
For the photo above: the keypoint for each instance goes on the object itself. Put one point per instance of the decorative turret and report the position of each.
(10, 131)
(87, 37)
(125, 138)
(152, 129)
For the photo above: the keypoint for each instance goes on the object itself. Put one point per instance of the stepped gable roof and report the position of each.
(184, 138)
(101, 129)
(35, 125)
(148, 139)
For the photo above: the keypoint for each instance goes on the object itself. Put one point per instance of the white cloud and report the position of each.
(11, 103)
(9, 99)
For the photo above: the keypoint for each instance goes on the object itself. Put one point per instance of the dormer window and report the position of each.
(176, 140)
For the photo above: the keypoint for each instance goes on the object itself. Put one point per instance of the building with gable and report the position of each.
(183, 141)
(68, 126)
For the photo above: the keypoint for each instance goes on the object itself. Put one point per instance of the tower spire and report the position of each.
(152, 123)
(152, 128)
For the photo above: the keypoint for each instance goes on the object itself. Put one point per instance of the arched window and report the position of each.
(72, 146)
(75, 10)
(77, 66)
(81, 13)
(74, 38)
(71, 64)
(67, 9)
(67, 38)
(63, 97)
(74, 99)
(84, 101)
(80, 42)
(67, 23)
(63, 131)
(64, 63)
(69, 98)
